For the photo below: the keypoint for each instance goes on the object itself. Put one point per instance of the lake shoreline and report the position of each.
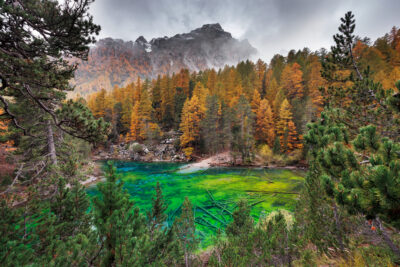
(222, 160)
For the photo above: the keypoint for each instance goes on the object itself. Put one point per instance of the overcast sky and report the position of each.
(271, 26)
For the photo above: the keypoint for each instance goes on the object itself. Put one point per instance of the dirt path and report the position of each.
(219, 159)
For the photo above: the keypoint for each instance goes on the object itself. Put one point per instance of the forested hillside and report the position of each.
(241, 107)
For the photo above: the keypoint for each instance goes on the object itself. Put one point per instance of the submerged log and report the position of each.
(211, 215)
(272, 192)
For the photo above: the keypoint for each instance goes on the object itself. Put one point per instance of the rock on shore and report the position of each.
(165, 150)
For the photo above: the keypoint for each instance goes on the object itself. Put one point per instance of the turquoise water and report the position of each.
(213, 192)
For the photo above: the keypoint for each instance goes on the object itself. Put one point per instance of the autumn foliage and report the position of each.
(283, 96)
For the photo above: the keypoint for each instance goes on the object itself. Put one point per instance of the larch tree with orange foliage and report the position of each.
(230, 84)
(183, 81)
(272, 88)
(286, 130)
(134, 129)
(201, 92)
(255, 101)
(314, 83)
(192, 114)
(292, 81)
(98, 103)
(265, 126)
(237, 92)
(138, 90)
(276, 104)
(129, 92)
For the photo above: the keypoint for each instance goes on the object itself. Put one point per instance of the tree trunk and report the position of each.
(387, 239)
(186, 259)
(338, 227)
(50, 144)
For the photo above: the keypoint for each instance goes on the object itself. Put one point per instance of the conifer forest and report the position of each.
(199, 149)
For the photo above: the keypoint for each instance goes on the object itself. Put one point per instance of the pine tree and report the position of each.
(277, 145)
(167, 99)
(364, 100)
(353, 173)
(70, 207)
(119, 225)
(242, 223)
(212, 81)
(146, 124)
(243, 140)
(211, 125)
(38, 73)
(13, 250)
(157, 214)
(179, 101)
(156, 98)
(185, 230)
(164, 248)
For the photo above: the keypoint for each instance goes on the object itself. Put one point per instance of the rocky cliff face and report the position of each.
(115, 62)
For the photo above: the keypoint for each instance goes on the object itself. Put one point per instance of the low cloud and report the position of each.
(272, 26)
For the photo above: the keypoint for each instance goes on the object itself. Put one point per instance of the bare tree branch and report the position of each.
(14, 181)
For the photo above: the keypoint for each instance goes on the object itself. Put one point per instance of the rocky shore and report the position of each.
(166, 149)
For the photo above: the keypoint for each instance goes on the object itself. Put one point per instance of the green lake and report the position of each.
(213, 192)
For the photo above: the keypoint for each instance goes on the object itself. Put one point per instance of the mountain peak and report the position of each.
(141, 39)
(213, 30)
(115, 62)
(215, 26)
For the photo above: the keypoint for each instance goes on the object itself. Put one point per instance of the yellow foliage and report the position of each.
(286, 129)
(192, 113)
(265, 152)
(134, 131)
(265, 126)
(292, 81)
(255, 102)
(314, 83)
(188, 151)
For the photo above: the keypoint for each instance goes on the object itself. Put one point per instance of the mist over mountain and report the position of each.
(114, 62)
